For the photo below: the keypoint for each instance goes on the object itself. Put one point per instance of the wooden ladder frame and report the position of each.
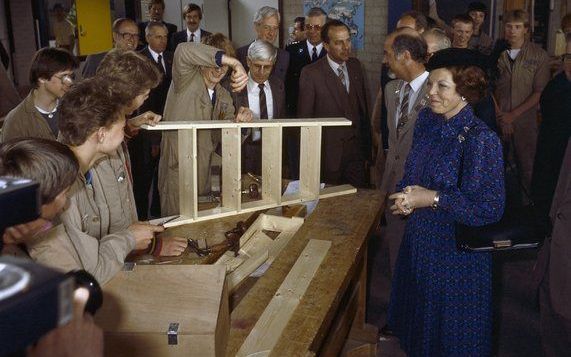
(272, 135)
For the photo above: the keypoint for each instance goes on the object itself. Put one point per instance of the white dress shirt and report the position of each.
(334, 65)
(254, 103)
(197, 35)
(156, 57)
(318, 48)
(415, 86)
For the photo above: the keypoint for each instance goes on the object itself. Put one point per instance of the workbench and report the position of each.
(333, 307)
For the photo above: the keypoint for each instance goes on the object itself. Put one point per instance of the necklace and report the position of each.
(51, 113)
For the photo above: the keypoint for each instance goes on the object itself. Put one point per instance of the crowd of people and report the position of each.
(454, 106)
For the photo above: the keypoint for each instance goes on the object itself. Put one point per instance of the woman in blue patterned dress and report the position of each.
(441, 297)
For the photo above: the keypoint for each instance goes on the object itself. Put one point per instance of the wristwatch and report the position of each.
(436, 200)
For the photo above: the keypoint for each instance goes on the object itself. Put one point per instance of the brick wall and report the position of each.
(24, 39)
(375, 32)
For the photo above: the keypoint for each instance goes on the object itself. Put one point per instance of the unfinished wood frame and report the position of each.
(272, 134)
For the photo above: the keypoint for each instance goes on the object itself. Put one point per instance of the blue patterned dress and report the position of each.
(441, 297)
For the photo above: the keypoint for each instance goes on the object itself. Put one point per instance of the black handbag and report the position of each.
(517, 229)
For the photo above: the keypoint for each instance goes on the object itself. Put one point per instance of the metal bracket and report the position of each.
(502, 244)
(172, 333)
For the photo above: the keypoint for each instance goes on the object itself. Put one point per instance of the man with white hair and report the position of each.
(436, 40)
(264, 95)
(267, 26)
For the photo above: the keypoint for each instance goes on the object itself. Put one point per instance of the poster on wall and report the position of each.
(351, 12)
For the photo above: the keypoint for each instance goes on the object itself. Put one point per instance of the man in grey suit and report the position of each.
(125, 37)
(404, 53)
(267, 25)
(264, 95)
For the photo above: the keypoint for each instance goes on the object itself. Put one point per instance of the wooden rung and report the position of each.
(188, 202)
(310, 162)
(336, 191)
(231, 168)
(222, 124)
(272, 164)
(270, 326)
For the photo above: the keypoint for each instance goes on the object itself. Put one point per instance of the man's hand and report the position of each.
(80, 337)
(239, 77)
(148, 118)
(505, 120)
(143, 232)
(244, 115)
(22, 232)
(173, 246)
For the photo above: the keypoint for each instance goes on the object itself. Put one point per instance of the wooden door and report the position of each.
(93, 26)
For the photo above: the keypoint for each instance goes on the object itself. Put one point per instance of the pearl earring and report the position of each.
(463, 98)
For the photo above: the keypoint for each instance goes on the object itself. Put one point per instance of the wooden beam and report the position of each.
(231, 168)
(188, 202)
(272, 164)
(310, 162)
(275, 317)
(221, 124)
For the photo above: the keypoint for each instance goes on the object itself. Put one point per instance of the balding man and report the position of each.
(405, 53)
(125, 37)
(267, 25)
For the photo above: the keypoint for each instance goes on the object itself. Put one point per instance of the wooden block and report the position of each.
(224, 124)
(275, 317)
(139, 306)
(187, 166)
(310, 162)
(231, 168)
(272, 164)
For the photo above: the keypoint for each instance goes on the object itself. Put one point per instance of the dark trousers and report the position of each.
(555, 330)
(144, 167)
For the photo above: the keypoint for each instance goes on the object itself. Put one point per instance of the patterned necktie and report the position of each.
(403, 118)
(341, 76)
(263, 105)
(160, 63)
(314, 55)
(191, 38)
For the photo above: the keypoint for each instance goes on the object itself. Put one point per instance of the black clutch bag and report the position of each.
(517, 229)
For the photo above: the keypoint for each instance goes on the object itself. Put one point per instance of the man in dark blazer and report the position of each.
(303, 53)
(267, 26)
(264, 95)
(334, 86)
(144, 148)
(404, 98)
(553, 270)
(156, 11)
(192, 15)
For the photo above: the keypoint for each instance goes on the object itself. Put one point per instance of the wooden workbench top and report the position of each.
(346, 221)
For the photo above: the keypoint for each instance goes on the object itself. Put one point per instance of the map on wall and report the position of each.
(351, 12)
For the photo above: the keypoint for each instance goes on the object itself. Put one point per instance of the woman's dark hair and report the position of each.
(49, 61)
(129, 74)
(53, 165)
(470, 82)
(86, 107)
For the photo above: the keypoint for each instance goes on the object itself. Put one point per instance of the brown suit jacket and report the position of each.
(399, 147)
(26, 121)
(321, 95)
(554, 261)
(9, 97)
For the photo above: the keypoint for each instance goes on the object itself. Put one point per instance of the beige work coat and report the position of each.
(188, 100)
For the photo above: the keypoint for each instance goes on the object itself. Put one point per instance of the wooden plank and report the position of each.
(188, 202)
(275, 317)
(333, 191)
(236, 277)
(272, 164)
(310, 162)
(231, 168)
(222, 124)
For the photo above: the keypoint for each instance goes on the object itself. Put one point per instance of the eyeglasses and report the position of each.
(261, 67)
(270, 28)
(128, 36)
(66, 79)
(313, 27)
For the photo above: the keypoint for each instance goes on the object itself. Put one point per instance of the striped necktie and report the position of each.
(403, 117)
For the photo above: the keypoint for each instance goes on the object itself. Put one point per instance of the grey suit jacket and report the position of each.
(91, 64)
(399, 146)
(280, 68)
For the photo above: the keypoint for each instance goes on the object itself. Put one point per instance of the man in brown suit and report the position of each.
(264, 95)
(404, 52)
(334, 87)
(553, 270)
